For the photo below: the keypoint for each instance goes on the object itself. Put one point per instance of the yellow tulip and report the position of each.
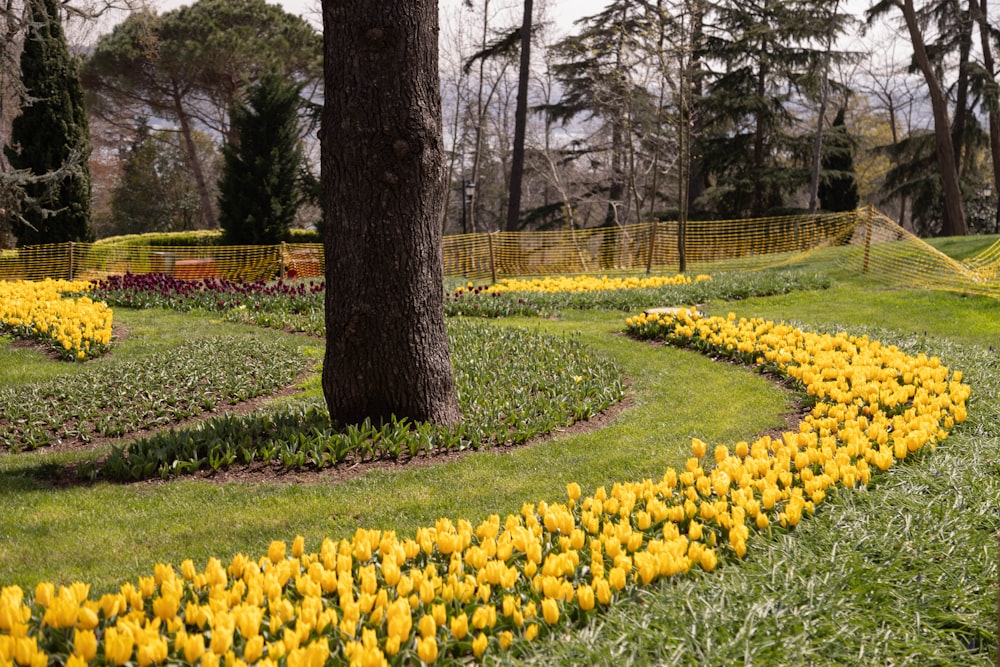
(573, 491)
(61, 612)
(87, 618)
(44, 593)
(427, 626)
(460, 626)
(85, 644)
(479, 645)
(550, 611)
(118, 646)
(585, 597)
(276, 551)
(698, 448)
(427, 649)
(253, 649)
(708, 560)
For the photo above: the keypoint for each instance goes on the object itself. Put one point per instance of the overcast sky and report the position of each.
(563, 12)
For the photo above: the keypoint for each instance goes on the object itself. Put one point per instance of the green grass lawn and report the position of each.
(63, 534)
(903, 573)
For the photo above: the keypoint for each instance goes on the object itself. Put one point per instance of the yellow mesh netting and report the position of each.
(88, 261)
(716, 245)
(881, 248)
(864, 241)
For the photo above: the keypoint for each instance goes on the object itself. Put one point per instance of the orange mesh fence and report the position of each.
(863, 240)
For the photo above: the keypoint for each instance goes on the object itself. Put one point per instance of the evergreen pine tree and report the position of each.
(259, 190)
(593, 68)
(838, 190)
(760, 51)
(51, 135)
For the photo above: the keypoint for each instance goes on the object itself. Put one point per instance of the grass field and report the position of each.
(903, 573)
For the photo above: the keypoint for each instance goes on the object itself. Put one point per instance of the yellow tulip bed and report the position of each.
(557, 284)
(458, 590)
(77, 328)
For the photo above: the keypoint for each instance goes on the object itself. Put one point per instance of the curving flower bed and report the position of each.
(458, 590)
(555, 284)
(76, 328)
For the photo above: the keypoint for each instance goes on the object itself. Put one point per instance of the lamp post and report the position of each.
(468, 197)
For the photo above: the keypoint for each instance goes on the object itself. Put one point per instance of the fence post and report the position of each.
(681, 245)
(70, 261)
(281, 261)
(868, 242)
(493, 259)
(652, 244)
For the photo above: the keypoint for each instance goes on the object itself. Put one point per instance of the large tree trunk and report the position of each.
(520, 122)
(757, 204)
(991, 100)
(187, 135)
(954, 214)
(382, 154)
(695, 170)
(470, 212)
(959, 122)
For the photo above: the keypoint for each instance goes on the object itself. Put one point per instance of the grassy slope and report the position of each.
(65, 534)
(143, 334)
(901, 574)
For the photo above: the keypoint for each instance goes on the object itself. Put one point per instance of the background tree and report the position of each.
(189, 65)
(260, 194)
(954, 222)
(492, 62)
(595, 67)
(382, 157)
(891, 92)
(520, 121)
(838, 188)
(51, 135)
(156, 191)
(15, 19)
(991, 95)
(761, 50)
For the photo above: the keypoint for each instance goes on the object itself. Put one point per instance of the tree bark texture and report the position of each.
(757, 204)
(954, 213)
(991, 100)
(208, 216)
(696, 120)
(520, 122)
(382, 155)
(959, 122)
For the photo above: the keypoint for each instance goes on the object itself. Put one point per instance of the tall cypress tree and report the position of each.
(51, 137)
(838, 191)
(259, 194)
